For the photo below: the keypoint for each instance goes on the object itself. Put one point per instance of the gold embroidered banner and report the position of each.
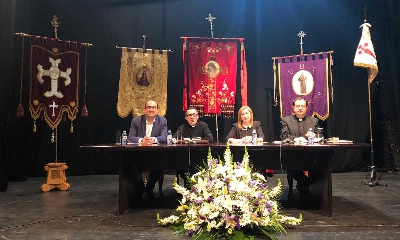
(143, 76)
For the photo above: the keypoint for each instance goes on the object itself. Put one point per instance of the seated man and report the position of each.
(293, 126)
(192, 128)
(148, 129)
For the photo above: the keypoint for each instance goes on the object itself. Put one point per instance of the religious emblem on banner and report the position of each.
(54, 81)
(212, 76)
(306, 76)
(143, 76)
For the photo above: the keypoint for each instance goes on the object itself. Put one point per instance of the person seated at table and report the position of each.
(241, 131)
(148, 129)
(296, 126)
(192, 128)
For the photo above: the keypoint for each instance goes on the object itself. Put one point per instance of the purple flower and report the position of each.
(189, 233)
(260, 195)
(236, 219)
(269, 204)
(194, 189)
(199, 201)
(210, 199)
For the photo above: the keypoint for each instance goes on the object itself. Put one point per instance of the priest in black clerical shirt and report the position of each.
(297, 125)
(294, 126)
(192, 128)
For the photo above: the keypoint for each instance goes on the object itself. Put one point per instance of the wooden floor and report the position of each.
(88, 211)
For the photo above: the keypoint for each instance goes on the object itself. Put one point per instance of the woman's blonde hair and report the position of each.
(239, 122)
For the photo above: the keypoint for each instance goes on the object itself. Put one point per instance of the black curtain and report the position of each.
(270, 29)
(7, 15)
(388, 90)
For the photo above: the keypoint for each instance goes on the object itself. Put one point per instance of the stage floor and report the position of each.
(88, 211)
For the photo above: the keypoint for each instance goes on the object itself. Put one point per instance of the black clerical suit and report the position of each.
(199, 130)
(291, 127)
(188, 131)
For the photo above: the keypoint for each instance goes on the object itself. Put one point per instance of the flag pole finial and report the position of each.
(301, 35)
(210, 18)
(365, 9)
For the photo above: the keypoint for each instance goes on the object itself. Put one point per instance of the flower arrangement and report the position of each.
(228, 200)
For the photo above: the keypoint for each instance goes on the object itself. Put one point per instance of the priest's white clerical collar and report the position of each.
(299, 119)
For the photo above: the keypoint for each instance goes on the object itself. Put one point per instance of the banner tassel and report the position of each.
(85, 112)
(71, 129)
(20, 111)
(34, 126)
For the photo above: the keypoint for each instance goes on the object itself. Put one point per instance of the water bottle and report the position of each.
(311, 136)
(124, 138)
(169, 137)
(254, 137)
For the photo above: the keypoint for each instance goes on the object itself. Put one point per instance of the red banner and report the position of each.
(212, 69)
(54, 80)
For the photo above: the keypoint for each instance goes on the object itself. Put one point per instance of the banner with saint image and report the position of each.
(54, 80)
(305, 76)
(212, 69)
(143, 77)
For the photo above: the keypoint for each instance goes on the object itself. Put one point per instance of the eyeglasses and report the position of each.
(151, 107)
(191, 115)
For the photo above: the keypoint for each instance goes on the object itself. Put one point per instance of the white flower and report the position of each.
(227, 196)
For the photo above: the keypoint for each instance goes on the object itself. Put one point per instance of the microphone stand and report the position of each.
(216, 126)
(189, 160)
(189, 150)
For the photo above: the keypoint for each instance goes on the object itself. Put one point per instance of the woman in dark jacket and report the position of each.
(241, 131)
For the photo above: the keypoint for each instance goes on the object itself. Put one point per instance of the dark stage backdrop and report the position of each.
(270, 29)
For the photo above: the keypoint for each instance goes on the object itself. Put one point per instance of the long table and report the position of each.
(131, 158)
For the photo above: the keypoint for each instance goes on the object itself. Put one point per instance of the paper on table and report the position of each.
(340, 142)
(195, 138)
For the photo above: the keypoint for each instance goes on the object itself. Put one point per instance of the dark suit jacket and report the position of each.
(138, 129)
(200, 130)
(290, 126)
(241, 133)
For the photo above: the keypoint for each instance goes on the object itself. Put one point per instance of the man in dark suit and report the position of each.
(149, 129)
(192, 128)
(295, 126)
